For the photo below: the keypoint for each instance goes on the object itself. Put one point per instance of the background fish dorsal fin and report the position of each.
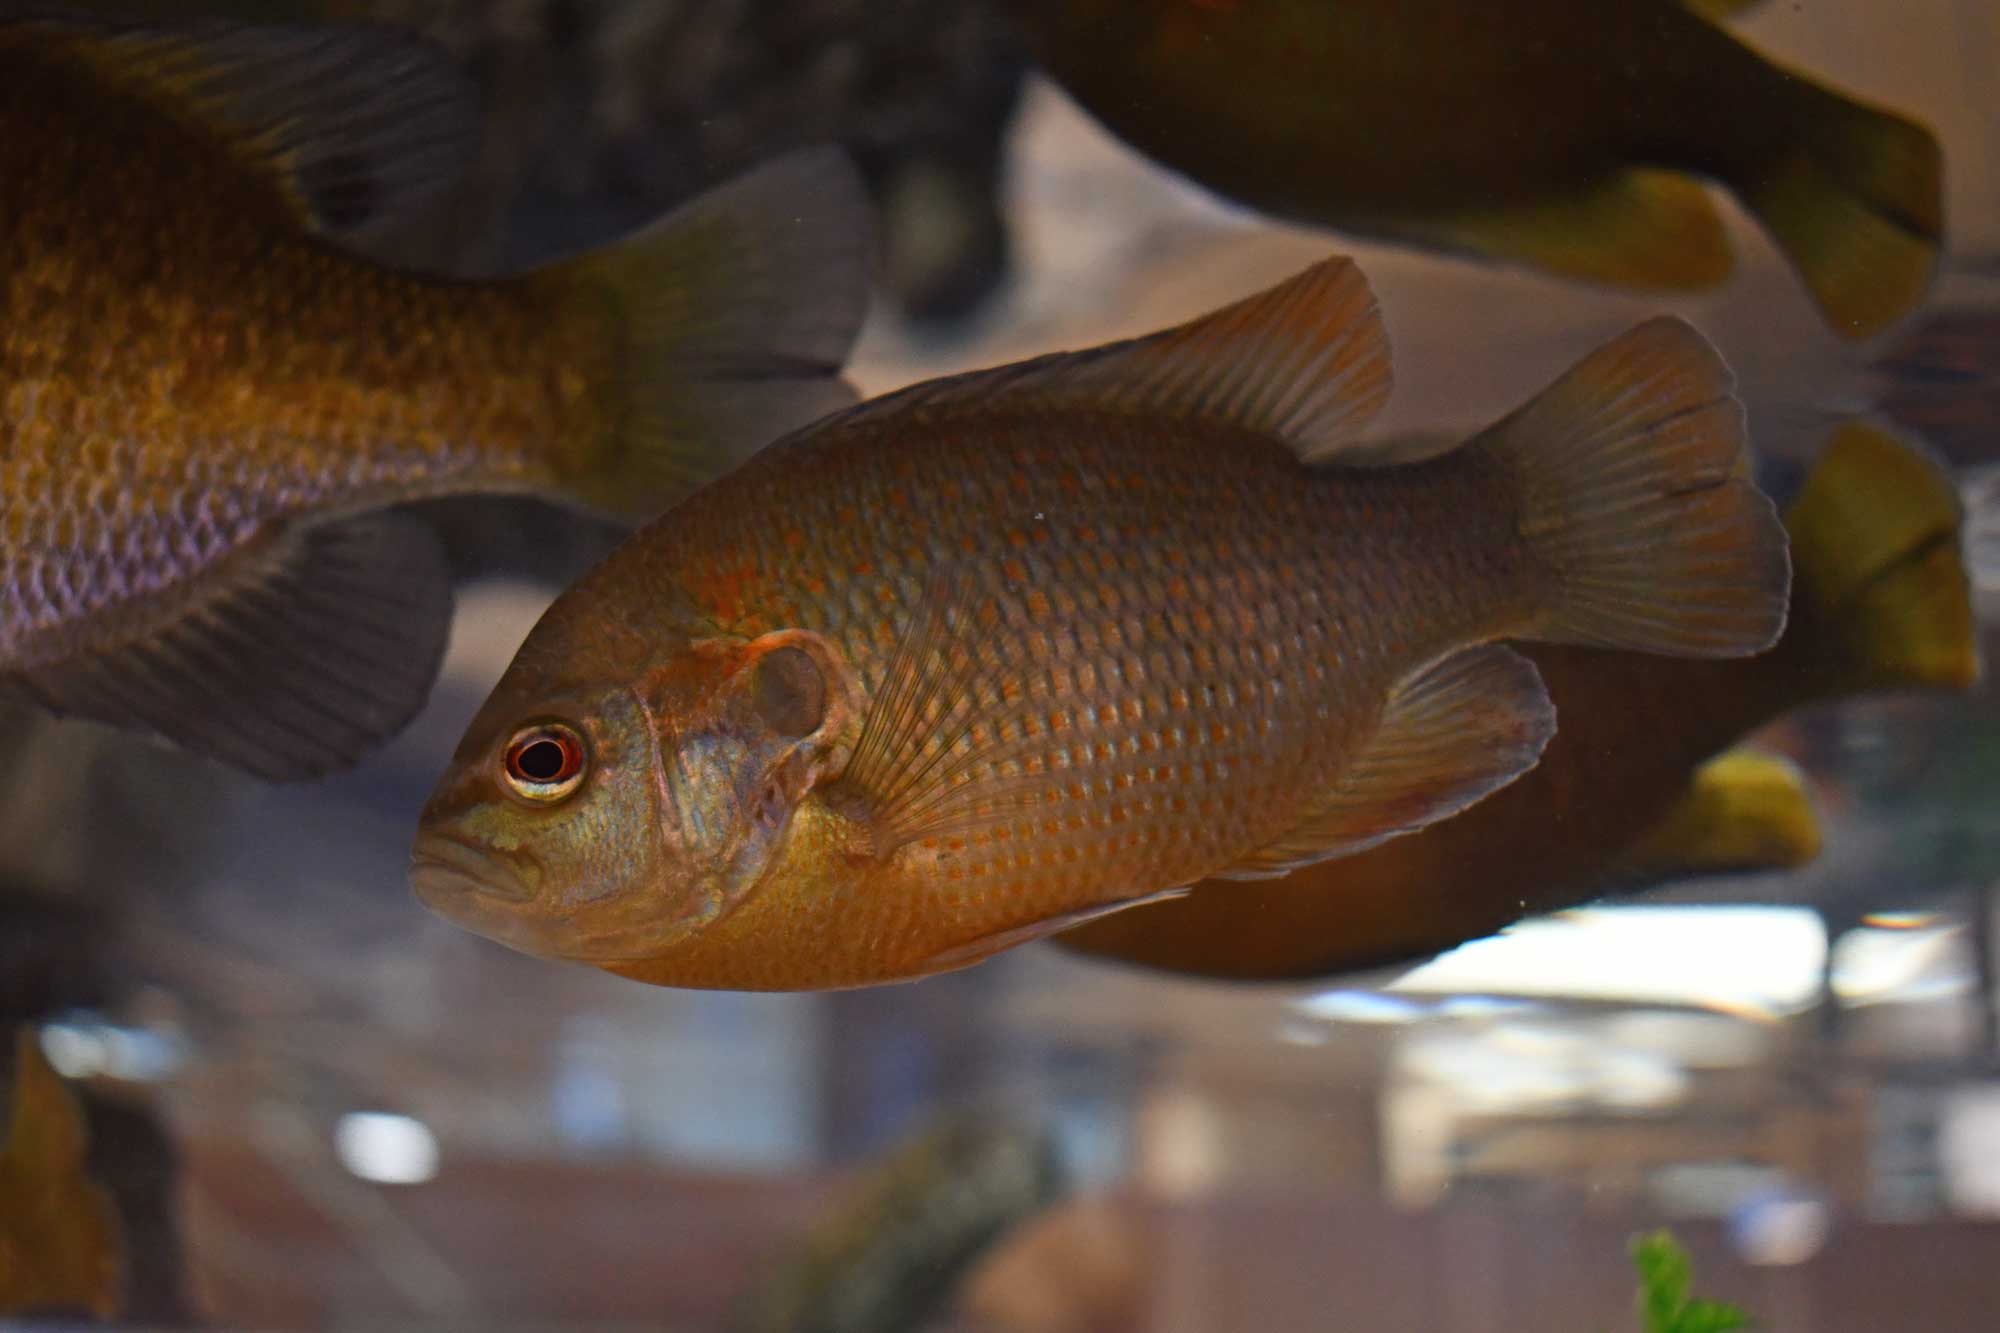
(1306, 362)
(357, 126)
(1450, 734)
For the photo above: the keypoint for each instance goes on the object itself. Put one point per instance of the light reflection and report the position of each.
(1293, 1032)
(385, 1148)
(1781, 1229)
(1530, 1068)
(1749, 960)
(1359, 1006)
(82, 1047)
(1901, 963)
(1902, 920)
(1968, 1139)
(1696, 1040)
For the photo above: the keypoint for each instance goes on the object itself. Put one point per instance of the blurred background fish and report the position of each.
(601, 115)
(209, 409)
(61, 1247)
(1626, 792)
(795, 733)
(890, 1257)
(1571, 135)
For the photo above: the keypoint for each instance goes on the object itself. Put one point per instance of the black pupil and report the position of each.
(540, 761)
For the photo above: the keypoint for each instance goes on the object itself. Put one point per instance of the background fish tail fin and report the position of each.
(734, 316)
(1743, 810)
(1883, 598)
(1855, 203)
(1632, 490)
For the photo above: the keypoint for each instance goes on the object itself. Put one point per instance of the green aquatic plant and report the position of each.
(1665, 1275)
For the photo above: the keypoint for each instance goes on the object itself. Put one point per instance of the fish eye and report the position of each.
(544, 763)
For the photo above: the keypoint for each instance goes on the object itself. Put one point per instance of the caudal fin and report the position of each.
(1880, 584)
(1856, 204)
(733, 316)
(1633, 492)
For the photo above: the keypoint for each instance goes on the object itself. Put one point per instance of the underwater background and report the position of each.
(317, 1105)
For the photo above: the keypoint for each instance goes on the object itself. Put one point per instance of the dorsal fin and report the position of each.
(1306, 362)
(357, 126)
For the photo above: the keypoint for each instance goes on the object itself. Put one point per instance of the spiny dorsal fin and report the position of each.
(1306, 362)
(356, 126)
(1454, 732)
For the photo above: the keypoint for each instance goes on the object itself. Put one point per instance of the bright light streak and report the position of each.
(1756, 960)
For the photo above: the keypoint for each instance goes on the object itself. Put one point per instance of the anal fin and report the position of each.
(1454, 732)
(1743, 810)
(1641, 227)
(321, 645)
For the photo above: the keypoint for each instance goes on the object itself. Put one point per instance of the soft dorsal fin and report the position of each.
(1306, 362)
(357, 126)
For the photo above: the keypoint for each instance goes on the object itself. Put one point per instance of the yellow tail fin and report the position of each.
(1880, 586)
(1856, 205)
(1743, 810)
(735, 315)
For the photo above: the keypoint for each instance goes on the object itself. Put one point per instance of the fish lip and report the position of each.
(443, 868)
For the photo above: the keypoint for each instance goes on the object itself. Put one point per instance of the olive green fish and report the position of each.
(1005, 651)
(1572, 135)
(208, 407)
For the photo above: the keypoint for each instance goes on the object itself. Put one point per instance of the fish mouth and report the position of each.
(444, 870)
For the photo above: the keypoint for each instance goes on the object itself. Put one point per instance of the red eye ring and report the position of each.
(544, 762)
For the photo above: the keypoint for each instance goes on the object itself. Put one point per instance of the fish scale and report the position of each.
(1168, 798)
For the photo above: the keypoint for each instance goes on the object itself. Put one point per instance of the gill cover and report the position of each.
(746, 730)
